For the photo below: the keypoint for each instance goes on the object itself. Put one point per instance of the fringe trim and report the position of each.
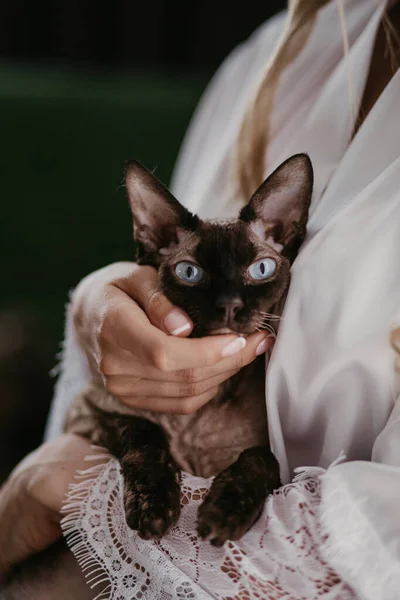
(71, 524)
(303, 473)
(352, 546)
(61, 354)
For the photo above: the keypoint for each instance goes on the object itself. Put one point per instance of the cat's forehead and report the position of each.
(228, 243)
(236, 237)
(230, 236)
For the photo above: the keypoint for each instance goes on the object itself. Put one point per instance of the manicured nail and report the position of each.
(176, 322)
(264, 345)
(234, 346)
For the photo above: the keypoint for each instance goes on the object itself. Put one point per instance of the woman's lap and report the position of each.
(278, 558)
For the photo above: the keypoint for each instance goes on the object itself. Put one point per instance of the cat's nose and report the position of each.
(227, 306)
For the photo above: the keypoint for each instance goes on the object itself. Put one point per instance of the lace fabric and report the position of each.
(277, 559)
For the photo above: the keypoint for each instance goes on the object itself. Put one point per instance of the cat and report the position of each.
(229, 276)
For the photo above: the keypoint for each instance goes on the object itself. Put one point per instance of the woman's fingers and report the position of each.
(183, 406)
(167, 353)
(184, 390)
(221, 352)
(189, 362)
(126, 386)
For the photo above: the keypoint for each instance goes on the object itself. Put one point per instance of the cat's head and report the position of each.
(226, 275)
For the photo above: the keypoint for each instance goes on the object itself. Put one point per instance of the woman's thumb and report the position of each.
(143, 287)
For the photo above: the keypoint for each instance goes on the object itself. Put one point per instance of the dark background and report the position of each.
(85, 85)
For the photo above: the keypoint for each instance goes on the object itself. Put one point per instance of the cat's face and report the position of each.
(225, 278)
(226, 275)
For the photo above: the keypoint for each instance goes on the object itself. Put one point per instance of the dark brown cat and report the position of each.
(230, 277)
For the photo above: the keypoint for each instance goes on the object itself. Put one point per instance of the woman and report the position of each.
(330, 534)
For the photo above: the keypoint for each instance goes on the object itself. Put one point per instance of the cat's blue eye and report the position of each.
(189, 272)
(262, 269)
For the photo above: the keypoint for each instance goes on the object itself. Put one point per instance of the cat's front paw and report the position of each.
(153, 515)
(228, 512)
(151, 496)
(237, 496)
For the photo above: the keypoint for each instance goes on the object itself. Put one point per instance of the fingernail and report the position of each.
(264, 345)
(234, 346)
(176, 322)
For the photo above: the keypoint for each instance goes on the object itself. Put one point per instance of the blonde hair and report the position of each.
(253, 135)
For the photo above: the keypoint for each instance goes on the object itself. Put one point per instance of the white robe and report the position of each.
(330, 386)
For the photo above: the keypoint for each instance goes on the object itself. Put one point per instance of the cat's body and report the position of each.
(229, 277)
(202, 443)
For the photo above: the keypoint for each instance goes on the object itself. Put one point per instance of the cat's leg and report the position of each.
(151, 475)
(237, 496)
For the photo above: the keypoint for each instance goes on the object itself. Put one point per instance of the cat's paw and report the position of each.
(230, 509)
(152, 498)
(153, 515)
(237, 496)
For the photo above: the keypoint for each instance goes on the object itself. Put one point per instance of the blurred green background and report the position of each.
(65, 137)
(83, 88)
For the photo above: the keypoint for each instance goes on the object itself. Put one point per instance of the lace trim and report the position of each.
(278, 559)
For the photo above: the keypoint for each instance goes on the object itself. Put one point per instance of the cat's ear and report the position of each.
(159, 220)
(278, 210)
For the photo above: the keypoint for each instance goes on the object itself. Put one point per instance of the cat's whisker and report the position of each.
(271, 316)
(266, 327)
(267, 319)
(266, 322)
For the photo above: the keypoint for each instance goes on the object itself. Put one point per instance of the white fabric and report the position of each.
(330, 381)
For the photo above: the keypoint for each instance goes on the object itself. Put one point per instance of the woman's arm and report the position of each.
(31, 498)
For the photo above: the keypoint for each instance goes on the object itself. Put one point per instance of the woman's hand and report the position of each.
(135, 337)
(31, 498)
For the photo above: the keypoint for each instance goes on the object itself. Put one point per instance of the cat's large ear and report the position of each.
(159, 220)
(278, 210)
